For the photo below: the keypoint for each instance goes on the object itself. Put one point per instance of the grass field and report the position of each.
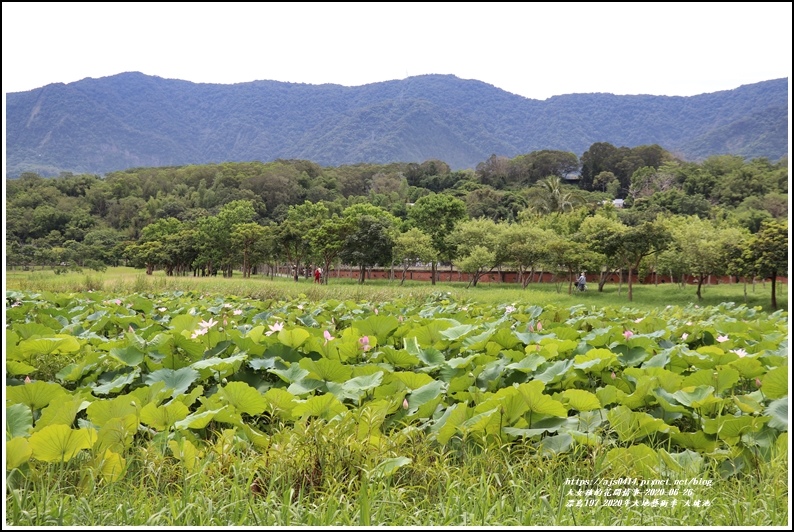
(124, 280)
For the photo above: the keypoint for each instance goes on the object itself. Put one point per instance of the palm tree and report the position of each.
(553, 196)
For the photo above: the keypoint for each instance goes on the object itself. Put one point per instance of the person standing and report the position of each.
(581, 282)
(318, 273)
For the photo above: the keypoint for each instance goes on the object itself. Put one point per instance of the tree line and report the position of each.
(546, 209)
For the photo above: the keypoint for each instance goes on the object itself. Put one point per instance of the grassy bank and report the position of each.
(123, 280)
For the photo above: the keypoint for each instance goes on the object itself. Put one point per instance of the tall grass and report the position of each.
(124, 280)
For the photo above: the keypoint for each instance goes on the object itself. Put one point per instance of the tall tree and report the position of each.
(768, 250)
(437, 215)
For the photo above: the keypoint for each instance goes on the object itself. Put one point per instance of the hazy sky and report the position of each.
(536, 50)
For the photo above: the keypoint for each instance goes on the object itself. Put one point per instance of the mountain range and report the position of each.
(135, 120)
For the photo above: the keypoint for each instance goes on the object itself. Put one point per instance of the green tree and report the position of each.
(437, 215)
(768, 251)
(411, 247)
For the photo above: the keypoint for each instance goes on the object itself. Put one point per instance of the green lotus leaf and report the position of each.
(293, 373)
(638, 461)
(111, 466)
(659, 360)
(18, 452)
(380, 326)
(179, 380)
(686, 464)
(527, 364)
(357, 386)
(449, 423)
(781, 445)
(114, 382)
(595, 360)
(15, 367)
(197, 420)
(696, 441)
(478, 341)
(326, 369)
(184, 451)
(580, 400)
(26, 350)
(323, 406)
(130, 355)
(154, 393)
(459, 384)
(61, 412)
(747, 404)
(163, 417)
(602, 336)
(193, 348)
(256, 333)
(306, 386)
(60, 443)
(33, 330)
(19, 421)
(412, 380)
(668, 402)
(430, 356)
(388, 467)
(293, 337)
(218, 347)
(585, 438)
(695, 396)
(775, 383)
(457, 332)
(244, 398)
(778, 412)
(219, 367)
(117, 433)
(733, 426)
(280, 402)
(34, 395)
(721, 378)
(631, 356)
(422, 395)
(552, 445)
(554, 372)
(486, 422)
(100, 413)
(183, 322)
(748, 368)
(588, 421)
(259, 440)
(398, 358)
(505, 337)
(532, 392)
(632, 426)
(526, 433)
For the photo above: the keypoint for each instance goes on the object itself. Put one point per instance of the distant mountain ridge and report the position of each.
(132, 120)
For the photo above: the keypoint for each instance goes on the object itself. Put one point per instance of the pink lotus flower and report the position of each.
(364, 341)
(375, 311)
(276, 327)
(237, 312)
(405, 403)
(207, 324)
(540, 326)
(198, 332)
(741, 352)
(327, 337)
(684, 336)
(162, 309)
(722, 338)
(639, 320)
(614, 376)
(27, 379)
(509, 309)
(758, 382)
(628, 334)
(530, 327)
